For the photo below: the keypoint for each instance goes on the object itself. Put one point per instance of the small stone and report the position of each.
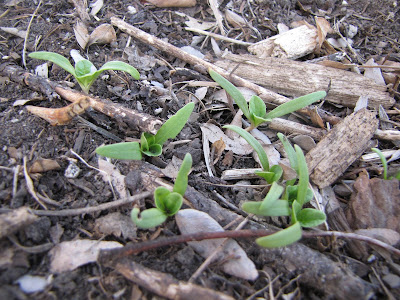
(72, 171)
(392, 280)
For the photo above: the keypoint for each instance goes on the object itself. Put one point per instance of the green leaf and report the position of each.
(253, 143)
(130, 150)
(310, 217)
(383, 160)
(120, 66)
(54, 58)
(154, 150)
(257, 110)
(173, 203)
(397, 176)
(84, 67)
(174, 125)
(280, 208)
(303, 176)
(160, 197)
(281, 238)
(144, 145)
(295, 104)
(296, 207)
(181, 180)
(273, 195)
(291, 153)
(232, 91)
(291, 193)
(149, 218)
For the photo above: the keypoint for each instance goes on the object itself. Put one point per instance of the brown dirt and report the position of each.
(23, 134)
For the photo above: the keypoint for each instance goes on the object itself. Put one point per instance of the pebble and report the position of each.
(392, 280)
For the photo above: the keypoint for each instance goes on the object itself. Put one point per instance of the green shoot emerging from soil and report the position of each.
(150, 145)
(385, 165)
(256, 111)
(167, 203)
(84, 72)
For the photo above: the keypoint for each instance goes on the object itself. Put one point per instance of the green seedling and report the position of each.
(167, 203)
(256, 111)
(150, 145)
(385, 165)
(269, 174)
(84, 72)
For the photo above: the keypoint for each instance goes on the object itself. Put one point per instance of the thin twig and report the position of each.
(218, 36)
(148, 245)
(27, 33)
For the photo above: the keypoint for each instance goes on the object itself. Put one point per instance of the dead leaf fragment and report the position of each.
(117, 179)
(81, 34)
(43, 165)
(323, 28)
(103, 34)
(14, 31)
(234, 19)
(374, 204)
(374, 73)
(68, 256)
(116, 224)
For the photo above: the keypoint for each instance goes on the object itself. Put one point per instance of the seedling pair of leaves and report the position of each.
(281, 201)
(84, 72)
(150, 145)
(385, 165)
(167, 203)
(256, 111)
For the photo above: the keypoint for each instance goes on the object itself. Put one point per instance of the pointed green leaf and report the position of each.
(154, 150)
(130, 150)
(160, 197)
(273, 195)
(232, 91)
(171, 128)
(149, 218)
(303, 176)
(268, 176)
(54, 58)
(257, 110)
(295, 104)
(296, 207)
(84, 67)
(253, 143)
(291, 153)
(120, 66)
(383, 160)
(281, 238)
(173, 203)
(310, 217)
(181, 180)
(280, 208)
(144, 145)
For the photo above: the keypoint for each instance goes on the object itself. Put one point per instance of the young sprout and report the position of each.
(150, 145)
(84, 72)
(167, 203)
(256, 111)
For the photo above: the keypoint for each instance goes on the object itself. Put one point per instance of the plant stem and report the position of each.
(109, 254)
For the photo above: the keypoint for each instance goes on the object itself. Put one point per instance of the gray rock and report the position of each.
(392, 280)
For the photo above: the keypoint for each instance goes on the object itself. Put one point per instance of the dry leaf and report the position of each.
(374, 73)
(14, 31)
(96, 6)
(117, 179)
(234, 19)
(217, 148)
(172, 169)
(191, 221)
(305, 142)
(81, 34)
(42, 70)
(116, 224)
(43, 165)
(217, 14)
(194, 23)
(374, 204)
(103, 34)
(201, 92)
(323, 28)
(68, 256)
(316, 118)
(172, 3)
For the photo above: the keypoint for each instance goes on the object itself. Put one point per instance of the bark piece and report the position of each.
(341, 147)
(375, 203)
(15, 220)
(163, 284)
(294, 78)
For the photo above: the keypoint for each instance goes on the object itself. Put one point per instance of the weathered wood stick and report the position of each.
(341, 147)
(296, 79)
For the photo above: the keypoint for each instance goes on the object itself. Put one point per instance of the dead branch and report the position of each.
(135, 119)
(163, 284)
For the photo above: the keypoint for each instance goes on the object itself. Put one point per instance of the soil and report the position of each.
(24, 135)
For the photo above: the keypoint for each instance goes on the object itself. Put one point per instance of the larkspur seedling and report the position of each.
(385, 165)
(255, 111)
(167, 203)
(150, 145)
(84, 72)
